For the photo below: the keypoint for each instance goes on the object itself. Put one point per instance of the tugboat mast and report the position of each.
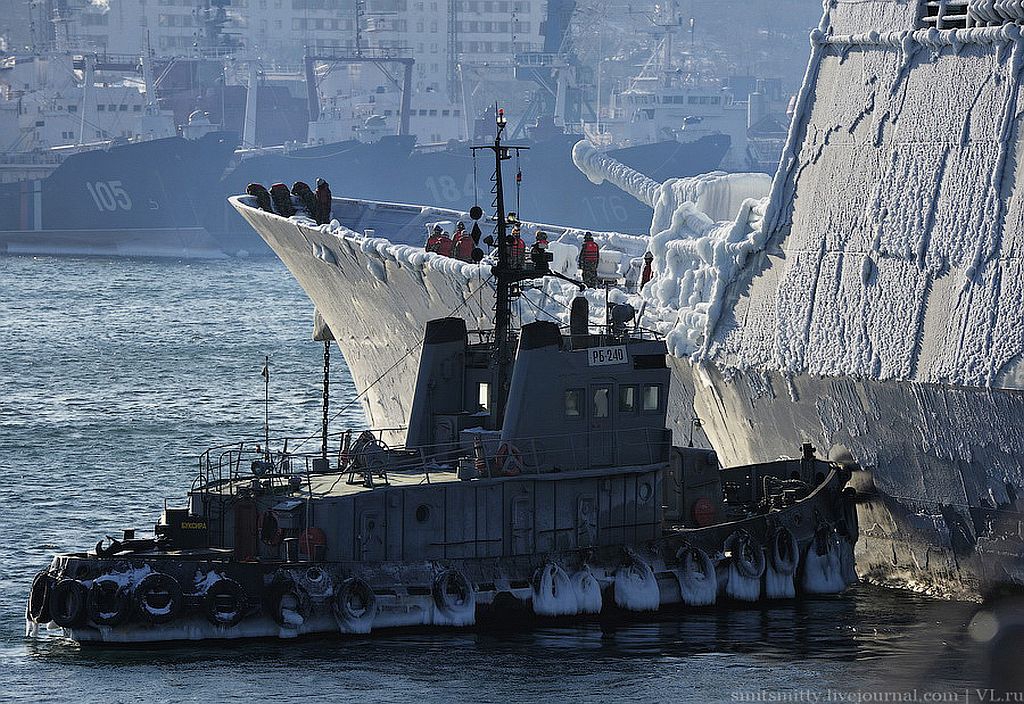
(505, 274)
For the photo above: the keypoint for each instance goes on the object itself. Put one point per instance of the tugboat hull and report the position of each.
(153, 595)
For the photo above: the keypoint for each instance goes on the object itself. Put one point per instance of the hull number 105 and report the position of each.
(109, 195)
(602, 356)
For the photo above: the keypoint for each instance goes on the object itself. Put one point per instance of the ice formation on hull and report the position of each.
(876, 308)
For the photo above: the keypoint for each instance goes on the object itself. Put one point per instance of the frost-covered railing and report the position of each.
(966, 14)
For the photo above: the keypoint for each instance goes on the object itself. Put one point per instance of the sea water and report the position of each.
(116, 374)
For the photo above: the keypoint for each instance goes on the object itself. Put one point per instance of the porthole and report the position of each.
(645, 492)
(422, 513)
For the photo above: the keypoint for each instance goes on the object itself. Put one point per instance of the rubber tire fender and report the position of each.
(692, 556)
(447, 582)
(38, 609)
(784, 551)
(67, 603)
(158, 582)
(225, 587)
(747, 555)
(104, 588)
(342, 603)
(281, 588)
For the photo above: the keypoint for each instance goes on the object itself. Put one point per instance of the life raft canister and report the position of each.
(225, 602)
(67, 603)
(109, 602)
(39, 597)
(158, 598)
(509, 460)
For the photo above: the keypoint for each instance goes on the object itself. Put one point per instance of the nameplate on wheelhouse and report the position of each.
(604, 356)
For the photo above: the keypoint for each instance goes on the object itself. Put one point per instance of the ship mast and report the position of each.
(505, 274)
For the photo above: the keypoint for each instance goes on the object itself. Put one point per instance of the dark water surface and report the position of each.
(115, 374)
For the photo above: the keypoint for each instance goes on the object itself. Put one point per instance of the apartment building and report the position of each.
(437, 33)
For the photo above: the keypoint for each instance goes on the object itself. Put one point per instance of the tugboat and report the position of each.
(537, 476)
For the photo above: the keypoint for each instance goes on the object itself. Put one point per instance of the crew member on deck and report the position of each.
(444, 244)
(538, 252)
(433, 239)
(590, 257)
(323, 200)
(648, 271)
(518, 249)
(463, 243)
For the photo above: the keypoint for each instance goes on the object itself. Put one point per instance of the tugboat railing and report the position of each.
(226, 468)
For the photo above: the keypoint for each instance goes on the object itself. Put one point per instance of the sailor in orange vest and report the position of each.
(648, 272)
(463, 243)
(433, 239)
(444, 244)
(590, 257)
(518, 250)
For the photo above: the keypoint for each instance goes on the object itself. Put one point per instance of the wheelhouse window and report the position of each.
(573, 403)
(651, 398)
(601, 401)
(627, 399)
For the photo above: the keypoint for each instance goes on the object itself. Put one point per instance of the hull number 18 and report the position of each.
(602, 356)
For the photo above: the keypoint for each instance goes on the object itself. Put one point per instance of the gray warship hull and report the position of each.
(931, 453)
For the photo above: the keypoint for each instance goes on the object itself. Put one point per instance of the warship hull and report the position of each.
(144, 199)
(936, 461)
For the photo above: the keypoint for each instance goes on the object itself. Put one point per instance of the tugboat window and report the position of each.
(573, 403)
(483, 396)
(601, 402)
(422, 513)
(627, 399)
(652, 397)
